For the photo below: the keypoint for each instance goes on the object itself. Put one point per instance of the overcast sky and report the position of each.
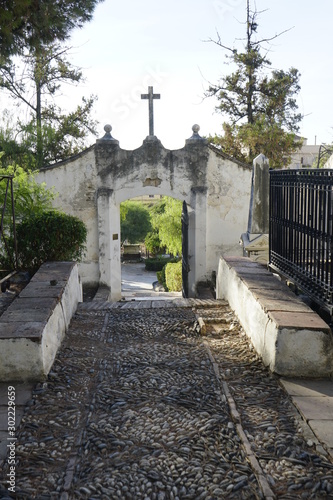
(131, 44)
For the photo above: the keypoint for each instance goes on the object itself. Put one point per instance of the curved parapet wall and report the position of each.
(33, 326)
(291, 338)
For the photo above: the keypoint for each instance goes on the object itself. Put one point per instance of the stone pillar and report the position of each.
(197, 237)
(256, 239)
(109, 243)
(259, 204)
(197, 151)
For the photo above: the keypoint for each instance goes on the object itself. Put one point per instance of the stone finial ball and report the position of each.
(196, 128)
(107, 128)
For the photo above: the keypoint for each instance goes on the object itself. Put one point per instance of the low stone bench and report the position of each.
(33, 326)
(289, 336)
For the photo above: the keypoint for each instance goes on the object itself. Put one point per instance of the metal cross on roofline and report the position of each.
(150, 96)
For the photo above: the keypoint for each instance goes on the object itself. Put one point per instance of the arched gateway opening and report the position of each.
(214, 188)
(151, 237)
(153, 170)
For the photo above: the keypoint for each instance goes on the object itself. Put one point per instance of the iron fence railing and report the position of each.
(6, 186)
(301, 231)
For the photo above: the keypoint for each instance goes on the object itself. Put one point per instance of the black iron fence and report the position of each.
(301, 230)
(7, 211)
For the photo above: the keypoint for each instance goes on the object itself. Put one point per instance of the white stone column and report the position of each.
(109, 242)
(197, 238)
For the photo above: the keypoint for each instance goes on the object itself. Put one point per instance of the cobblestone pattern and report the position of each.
(139, 405)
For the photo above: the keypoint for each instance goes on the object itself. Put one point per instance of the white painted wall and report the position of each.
(75, 181)
(93, 184)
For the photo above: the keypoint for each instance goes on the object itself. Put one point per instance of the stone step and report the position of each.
(150, 304)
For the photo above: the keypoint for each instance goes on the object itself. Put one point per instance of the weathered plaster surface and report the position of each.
(92, 186)
(291, 339)
(32, 328)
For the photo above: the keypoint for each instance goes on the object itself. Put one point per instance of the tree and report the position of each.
(34, 30)
(166, 223)
(261, 106)
(30, 199)
(50, 134)
(31, 23)
(134, 222)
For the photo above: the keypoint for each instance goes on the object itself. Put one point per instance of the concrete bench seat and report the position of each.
(289, 336)
(33, 326)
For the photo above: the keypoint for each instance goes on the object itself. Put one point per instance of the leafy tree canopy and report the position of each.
(134, 221)
(166, 223)
(260, 104)
(30, 23)
(30, 197)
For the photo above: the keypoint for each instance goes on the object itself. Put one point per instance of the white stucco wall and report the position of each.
(93, 184)
(75, 181)
(229, 189)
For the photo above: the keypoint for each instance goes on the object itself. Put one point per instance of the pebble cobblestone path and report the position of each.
(140, 405)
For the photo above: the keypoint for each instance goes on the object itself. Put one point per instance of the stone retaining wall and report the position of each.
(33, 326)
(291, 338)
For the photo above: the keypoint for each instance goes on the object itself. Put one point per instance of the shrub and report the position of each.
(157, 264)
(161, 278)
(49, 236)
(173, 276)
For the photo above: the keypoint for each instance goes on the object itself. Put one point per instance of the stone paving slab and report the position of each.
(33, 303)
(4, 417)
(59, 270)
(283, 305)
(235, 261)
(315, 408)
(26, 315)
(299, 320)
(324, 432)
(301, 387)
(274, 294)
(22, 393)
(43, 289)
(26, 329)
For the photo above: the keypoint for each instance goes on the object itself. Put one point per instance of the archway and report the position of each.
(92, 185)
(154, 170)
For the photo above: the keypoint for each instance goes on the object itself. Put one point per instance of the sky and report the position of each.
(131, 44)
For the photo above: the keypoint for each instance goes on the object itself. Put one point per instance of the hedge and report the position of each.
(173, 276)
(50, 236)
(158, 263)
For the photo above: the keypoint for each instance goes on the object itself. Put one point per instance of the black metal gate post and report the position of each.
(185, 261)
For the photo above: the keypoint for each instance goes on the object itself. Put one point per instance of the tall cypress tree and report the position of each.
(260, 104)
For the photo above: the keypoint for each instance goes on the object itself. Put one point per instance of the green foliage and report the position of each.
(157, 264)
(173, 276)
(162, 278)
(30, 197)
(247, 141)
(49, 135)
(153, 242)
(134, 221)
(50, 236)
(261, 105)
(166, 222)
(27, 23)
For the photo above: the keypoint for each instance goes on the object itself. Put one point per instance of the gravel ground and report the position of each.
(140, 405)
